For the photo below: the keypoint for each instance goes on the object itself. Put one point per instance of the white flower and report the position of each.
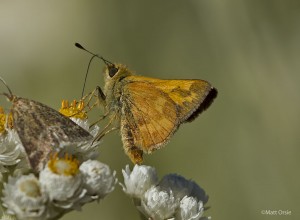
(10, 148)
(63, 182)
(12, 136)
(11, 151)
(182, 187)
(174, 197)
(81, 150)
(97, 178)
(159, 205)
(139, 180)
(24, 197)
(190, 209)
(22, 167)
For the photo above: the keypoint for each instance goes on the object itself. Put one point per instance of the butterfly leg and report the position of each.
(100, 97)
(100, 119)
(102, 134)
(105, 130)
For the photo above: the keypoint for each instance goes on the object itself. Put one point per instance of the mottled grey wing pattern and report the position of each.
(41, 129)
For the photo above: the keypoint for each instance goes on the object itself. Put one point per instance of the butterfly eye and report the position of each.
(112, 71)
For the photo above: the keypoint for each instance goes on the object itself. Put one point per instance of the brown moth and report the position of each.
(41, 129)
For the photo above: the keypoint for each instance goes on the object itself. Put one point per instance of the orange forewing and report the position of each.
(187, 94)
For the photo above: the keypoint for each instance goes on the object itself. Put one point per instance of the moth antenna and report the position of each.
(10, 96)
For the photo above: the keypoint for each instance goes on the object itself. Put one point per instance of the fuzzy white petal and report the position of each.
(97, 178)
(64, 190)
(190, 209)
(182, 187)
(159, 205)
(24, 197)
(139, 180)
(10, 149)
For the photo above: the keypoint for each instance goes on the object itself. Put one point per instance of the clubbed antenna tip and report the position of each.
(79, 46)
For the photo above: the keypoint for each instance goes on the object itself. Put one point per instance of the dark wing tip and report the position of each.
(208, 100)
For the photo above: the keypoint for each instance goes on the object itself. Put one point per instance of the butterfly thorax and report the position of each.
(113, 87)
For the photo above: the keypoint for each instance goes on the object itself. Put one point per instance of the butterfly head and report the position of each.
(115, 72)
(113, 79)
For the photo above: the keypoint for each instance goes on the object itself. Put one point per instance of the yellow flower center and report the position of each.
(31, 188)
(5, 121)
(75, 109)
(66, 166)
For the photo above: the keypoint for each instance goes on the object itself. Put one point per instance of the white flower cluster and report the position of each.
(70, 179)
(174, 197)
(59, 189)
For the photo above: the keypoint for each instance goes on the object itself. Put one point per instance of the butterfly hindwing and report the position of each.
(149, 117)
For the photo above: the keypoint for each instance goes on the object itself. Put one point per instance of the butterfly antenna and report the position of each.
(10, 95)
(108, 63)
(86, 74)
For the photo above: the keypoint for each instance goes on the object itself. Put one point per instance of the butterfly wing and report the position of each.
(153, 109)
(41, 129)
(191, 96)
(149, 118)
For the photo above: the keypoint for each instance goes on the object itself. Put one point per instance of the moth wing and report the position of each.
(149, 118)
(41, 129)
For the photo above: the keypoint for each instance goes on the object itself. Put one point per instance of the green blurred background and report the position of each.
(244, 151)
